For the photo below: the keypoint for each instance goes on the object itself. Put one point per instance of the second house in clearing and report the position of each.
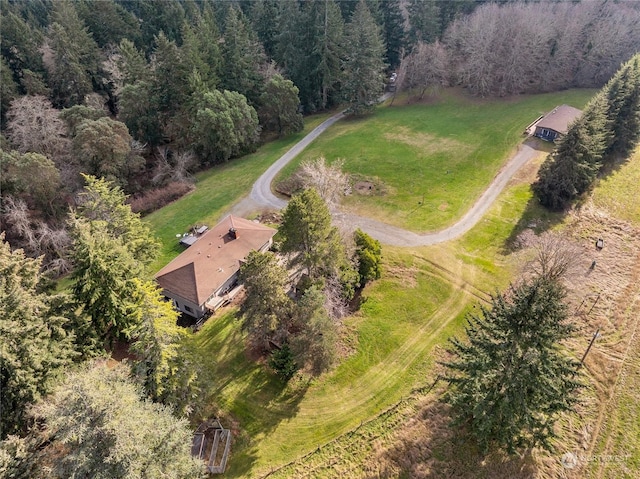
(201, 278)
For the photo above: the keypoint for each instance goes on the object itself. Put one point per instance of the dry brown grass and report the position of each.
(425, 141)
(425, 446)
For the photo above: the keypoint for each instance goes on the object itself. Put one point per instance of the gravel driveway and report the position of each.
(261, 196)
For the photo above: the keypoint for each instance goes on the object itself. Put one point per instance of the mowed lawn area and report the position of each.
(432, 160)
(390, 347)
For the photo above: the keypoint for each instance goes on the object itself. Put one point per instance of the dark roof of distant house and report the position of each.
(559, 118)
(200, 270)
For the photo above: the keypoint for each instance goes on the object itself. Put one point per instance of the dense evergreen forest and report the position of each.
(144, 93)
(108, 108)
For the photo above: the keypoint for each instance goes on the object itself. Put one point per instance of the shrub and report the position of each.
(157, 198)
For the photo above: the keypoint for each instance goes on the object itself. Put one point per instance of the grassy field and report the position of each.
(408, 315)
(336, 422)
(618, 192)
(616, 449)
(433, 160)
(217, 189)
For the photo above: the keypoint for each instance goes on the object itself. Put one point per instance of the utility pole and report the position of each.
(595, 336)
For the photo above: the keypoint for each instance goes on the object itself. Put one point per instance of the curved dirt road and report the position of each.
(261, 196)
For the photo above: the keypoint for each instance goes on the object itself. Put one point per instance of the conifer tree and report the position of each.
(306, 227)
(243, 55)
(573, 167)
(329, 49)
(163, 367)
(96, 425)
(509, 378)
(76, 56)
(266, 310)
(393, 32)
(314, 344)
(624, 108)
(363, 65)
(369, 255)
(34, 346)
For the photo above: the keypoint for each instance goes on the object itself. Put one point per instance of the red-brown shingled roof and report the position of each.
(200, 270)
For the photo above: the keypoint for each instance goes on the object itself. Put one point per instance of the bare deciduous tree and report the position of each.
(173, 166)
(335, 304)
(426, 67)
(529, 47)
(555, 257)
(35, 126)
(35, 236)
(328, 179)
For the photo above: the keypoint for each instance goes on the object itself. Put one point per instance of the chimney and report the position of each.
(232, 231)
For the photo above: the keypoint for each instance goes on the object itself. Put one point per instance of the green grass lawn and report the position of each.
(418, 304)
(217, 189)
(434, 160)
(618, 192)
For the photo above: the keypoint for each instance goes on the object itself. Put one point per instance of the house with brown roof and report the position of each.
(201, 277)
(556, 123)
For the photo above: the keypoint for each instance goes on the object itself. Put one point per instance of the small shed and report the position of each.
(556, 123)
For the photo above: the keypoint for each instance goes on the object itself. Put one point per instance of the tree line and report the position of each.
(507, 48)
(145, 93)
(607, 131)
(62, 407)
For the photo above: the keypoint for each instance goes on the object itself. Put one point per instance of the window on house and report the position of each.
(188, 309)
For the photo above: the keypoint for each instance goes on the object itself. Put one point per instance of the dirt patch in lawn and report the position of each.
(425, 141)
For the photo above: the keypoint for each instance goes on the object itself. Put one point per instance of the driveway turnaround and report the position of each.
(261, 196)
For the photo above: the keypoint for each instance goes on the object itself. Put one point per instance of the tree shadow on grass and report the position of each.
(539, 219)
(535, 218)
(427, 447)
(249, 398)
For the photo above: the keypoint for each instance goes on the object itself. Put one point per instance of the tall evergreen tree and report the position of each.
(364, 65)
(170, 84)
(315, 342)
(34, 346)
(329, 49)
(95, 425)
(573, 166)
(243, 56)
(154, 17)
(103, 281)
(137, 106)
(624, 108)
(393, 32)
(264, 16)
(19, 47)
(509, 379)
(200, 48)
(164, 368)
(111, 247)
(306, 227)
(267, 308)
(108, 22)
(74, 70)
(424, 19)
(103, 201)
